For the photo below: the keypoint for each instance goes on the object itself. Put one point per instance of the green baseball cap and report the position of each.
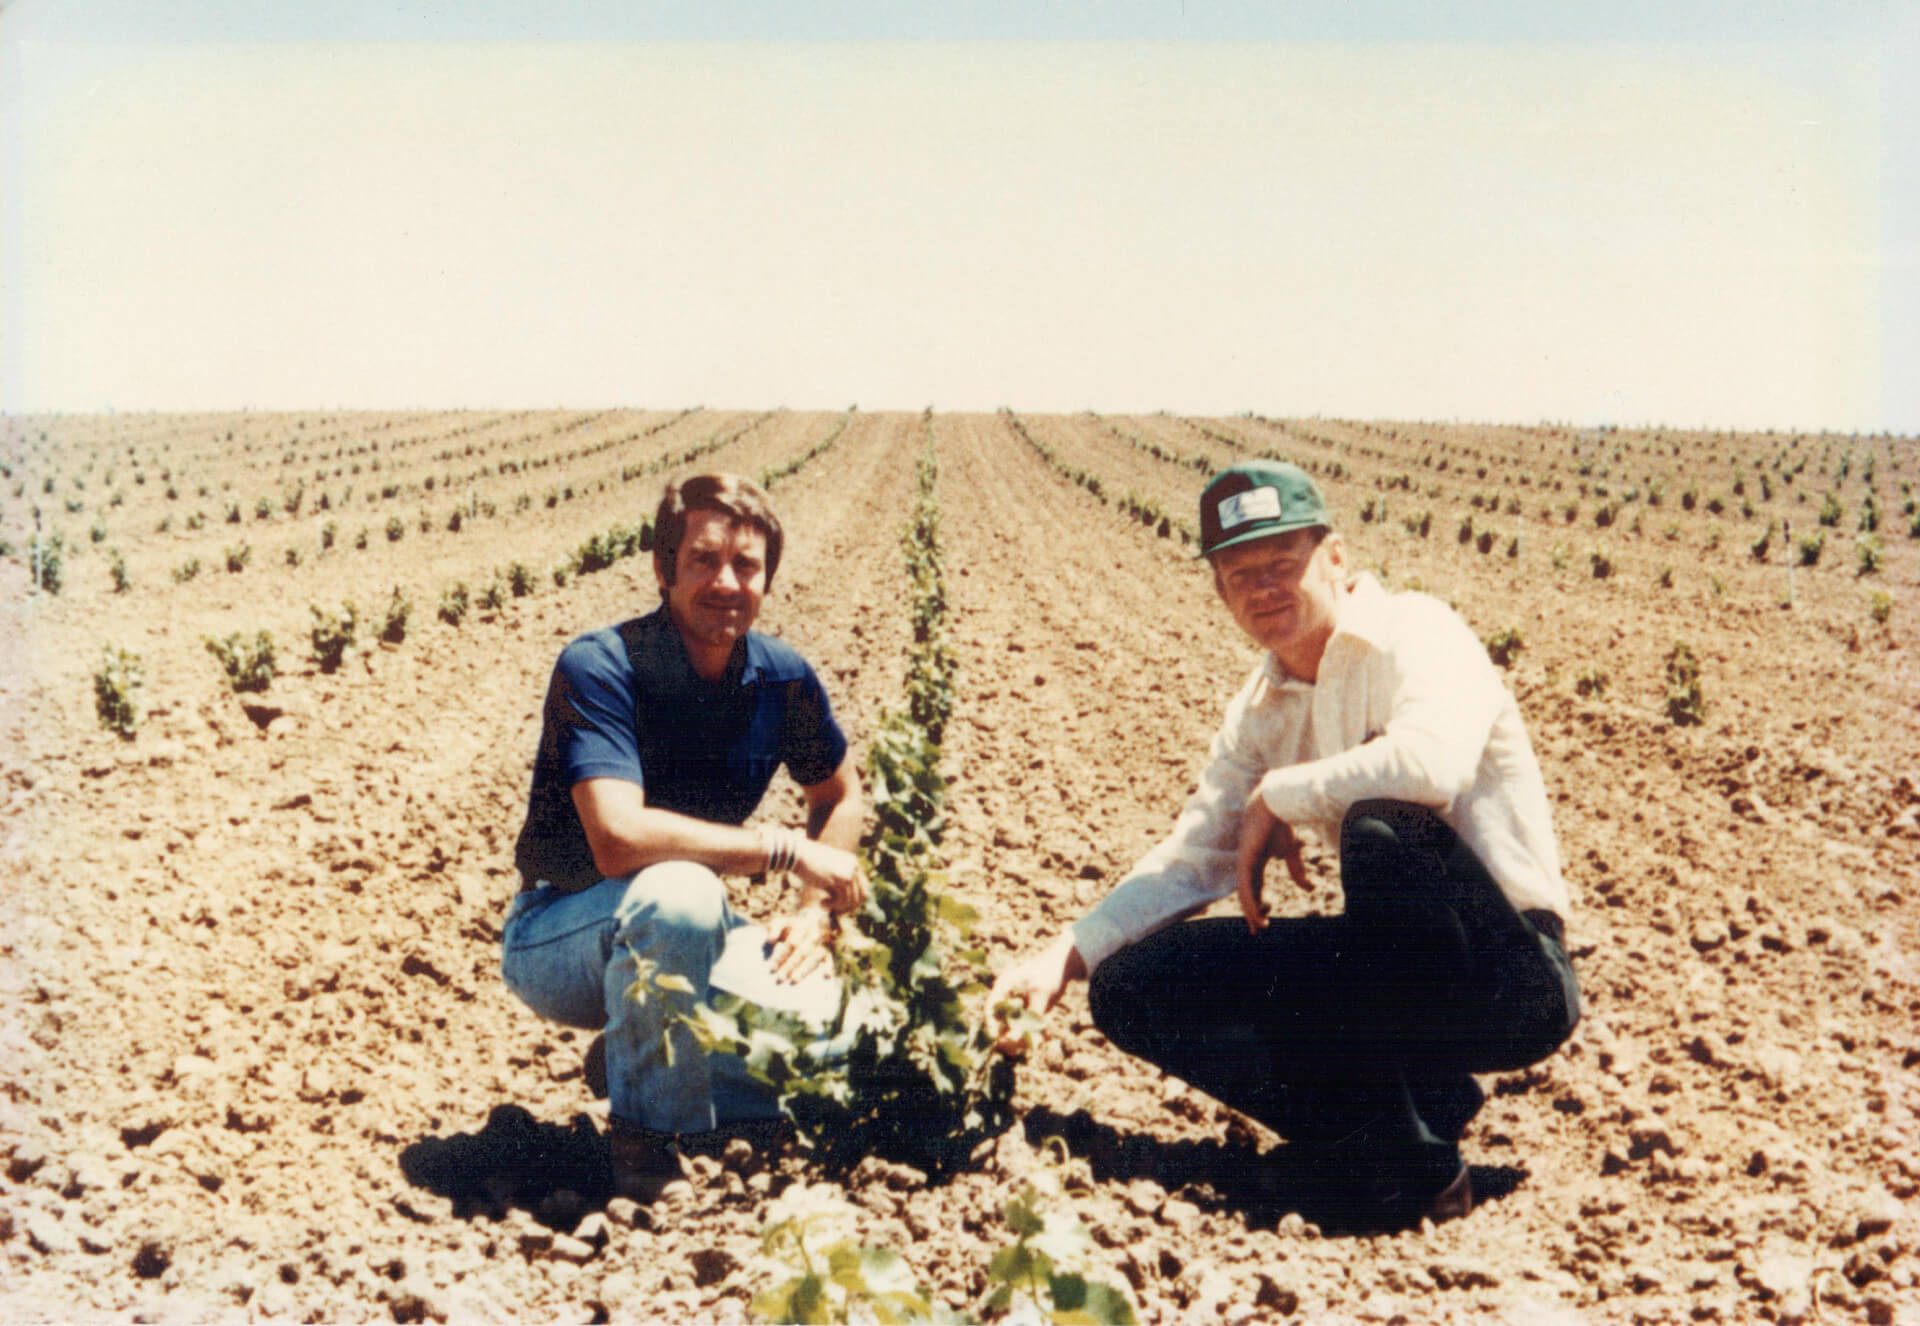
(1255, 499)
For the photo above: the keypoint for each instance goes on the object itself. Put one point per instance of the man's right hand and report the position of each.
(831, 875)
(1036, 984)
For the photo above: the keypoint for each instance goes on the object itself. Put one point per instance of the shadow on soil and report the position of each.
(557, 1172)
(1233, 1176)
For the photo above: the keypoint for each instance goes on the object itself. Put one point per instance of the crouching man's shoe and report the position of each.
(1455, 1200)
(645, 1163)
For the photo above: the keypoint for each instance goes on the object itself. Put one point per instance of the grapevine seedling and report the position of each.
(1049, 1241)
(247, 663)
(116, 691)
(1684, 704)
(1504, 645)
(332, 634)
(394, 629)
(830, 1278)
(453, 603)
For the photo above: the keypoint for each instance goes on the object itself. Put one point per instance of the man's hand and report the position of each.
(1036, 985)
(830, 876)
(1263, 837)
(800, 943)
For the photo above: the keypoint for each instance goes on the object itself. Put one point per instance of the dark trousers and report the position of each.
(1359, 1031)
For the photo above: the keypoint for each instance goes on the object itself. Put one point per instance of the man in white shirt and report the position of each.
(1378, 721)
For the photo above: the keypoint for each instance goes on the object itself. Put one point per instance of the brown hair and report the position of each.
(732, 496)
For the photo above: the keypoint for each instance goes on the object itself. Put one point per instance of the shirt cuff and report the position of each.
(1096, 938)
(1287, 795)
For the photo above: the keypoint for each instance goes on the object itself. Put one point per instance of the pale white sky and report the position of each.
(1703, 214)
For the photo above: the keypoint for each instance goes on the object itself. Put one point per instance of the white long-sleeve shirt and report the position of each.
(1407, 706)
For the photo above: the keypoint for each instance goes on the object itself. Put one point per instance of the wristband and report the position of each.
(780, 849)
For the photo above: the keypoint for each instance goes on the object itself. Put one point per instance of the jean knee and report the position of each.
(676, 897)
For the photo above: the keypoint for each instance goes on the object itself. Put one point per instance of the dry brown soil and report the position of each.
(259, 1064)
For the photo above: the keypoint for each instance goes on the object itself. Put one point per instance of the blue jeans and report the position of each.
(571, 957)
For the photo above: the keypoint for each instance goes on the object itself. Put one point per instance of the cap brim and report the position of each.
(1264, 532)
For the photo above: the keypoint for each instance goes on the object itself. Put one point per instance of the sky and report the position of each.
(1691, 214)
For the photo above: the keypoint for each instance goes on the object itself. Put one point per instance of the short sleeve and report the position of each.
(590, 711)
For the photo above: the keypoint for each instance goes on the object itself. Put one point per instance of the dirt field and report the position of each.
(253, 1016)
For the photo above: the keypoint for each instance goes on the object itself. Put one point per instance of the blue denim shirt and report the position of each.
(625, 702)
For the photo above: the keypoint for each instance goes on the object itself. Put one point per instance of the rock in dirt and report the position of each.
(712, 1265)
(567, 1248)
(1181, 1216)
(1274, 1296)
(49, 1233)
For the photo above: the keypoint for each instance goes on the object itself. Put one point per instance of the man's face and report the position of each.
(1282, 591)
(720, 576)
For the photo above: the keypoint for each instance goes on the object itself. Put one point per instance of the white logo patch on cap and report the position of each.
(1254, 504)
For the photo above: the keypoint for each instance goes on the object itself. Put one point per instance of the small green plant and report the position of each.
(1464, 534)
(99, 531)
(238, 557)
(520, 580)
(1560, 556)
(328, 532)
(247, 663)
(233, 513)
(1880, 606)
(117, 568)
(332, 634)
(186, 571)
(829, 1277)
(453, 603)
(396, 529)
(1602, 563)
(393, 627)
(1867, 555)
(196, 521)
(1810, 547)
(262, 508)
(1044, 1265)
(46, 556)
(1665, 578)
(1764, 544)
(1684, 704)
(1504, 645)
(293, 556)
(116, 691)
(1830, 510)
(494, 596)
(360, 540)
(1591, 682)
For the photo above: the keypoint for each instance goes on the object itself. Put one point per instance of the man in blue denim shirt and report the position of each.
(660, 736)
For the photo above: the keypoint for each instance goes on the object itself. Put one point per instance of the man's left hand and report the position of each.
(801, 943)
(1264, 836)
